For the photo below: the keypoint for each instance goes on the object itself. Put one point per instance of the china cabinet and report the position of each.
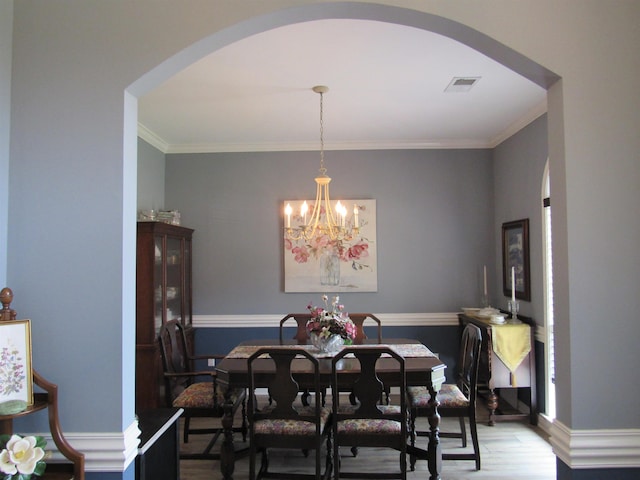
(163, 293)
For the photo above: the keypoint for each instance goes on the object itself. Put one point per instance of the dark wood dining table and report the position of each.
(421, 366)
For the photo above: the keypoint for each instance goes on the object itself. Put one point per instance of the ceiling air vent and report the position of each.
(461, 84)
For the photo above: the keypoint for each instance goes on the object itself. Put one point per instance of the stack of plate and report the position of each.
(488, 312)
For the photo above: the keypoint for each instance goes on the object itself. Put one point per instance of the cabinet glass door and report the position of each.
(174, 282)
(187, 281)
(158, 284)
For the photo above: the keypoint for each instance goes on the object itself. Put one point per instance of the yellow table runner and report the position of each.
(512, 343)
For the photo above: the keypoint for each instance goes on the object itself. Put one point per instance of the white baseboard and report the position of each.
(103, 451)
(590, 449)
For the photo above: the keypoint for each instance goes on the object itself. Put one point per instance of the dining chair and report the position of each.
(283, 423)
(301, 319)
(196, 392)
(454, 400)
(369, 423)
(359, 319)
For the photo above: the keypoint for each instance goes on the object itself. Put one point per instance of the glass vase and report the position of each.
(329, 268)
(330, 344)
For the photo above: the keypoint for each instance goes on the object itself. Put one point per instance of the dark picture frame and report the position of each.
(515, 253)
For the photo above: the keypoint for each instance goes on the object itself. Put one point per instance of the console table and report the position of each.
(494, 374)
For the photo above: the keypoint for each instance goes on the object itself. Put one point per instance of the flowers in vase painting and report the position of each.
(331, 320)
(353, 250)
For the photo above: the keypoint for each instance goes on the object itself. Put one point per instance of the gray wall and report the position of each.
(6, 31)
(73, 149)
(519, 164)
(434, 225)
(151, 177)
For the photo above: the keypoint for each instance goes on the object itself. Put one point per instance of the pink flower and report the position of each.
(300, 254)
(358, 250)
(288, 245)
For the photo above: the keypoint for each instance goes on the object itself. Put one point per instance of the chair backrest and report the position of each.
(301, 319)
(470, 346)
(175, 358)
(368, 388)
(358, 319)
(282, 386)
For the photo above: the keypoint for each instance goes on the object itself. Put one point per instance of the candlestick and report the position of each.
(485, 280)
(355, 216)
(303, 212)
(513, 284)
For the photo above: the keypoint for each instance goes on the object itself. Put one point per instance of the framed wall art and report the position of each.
(16, 374)
(323, 265)
(515, 253)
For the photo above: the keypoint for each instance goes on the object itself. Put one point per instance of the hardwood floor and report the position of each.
(509, 450)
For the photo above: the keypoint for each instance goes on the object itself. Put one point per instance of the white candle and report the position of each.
(341, 211)
(485, 280)
(513, 284)
(303, 212)
(287, 211)
(355, 216)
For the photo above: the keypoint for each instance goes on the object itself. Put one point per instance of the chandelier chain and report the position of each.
(324, 219)
(323, 170)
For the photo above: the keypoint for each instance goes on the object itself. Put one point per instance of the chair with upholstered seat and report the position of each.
(455, 400)
(196, 392)
(285, 424)
(368, 423)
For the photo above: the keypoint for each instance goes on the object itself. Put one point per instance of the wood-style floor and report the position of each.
(509, 450)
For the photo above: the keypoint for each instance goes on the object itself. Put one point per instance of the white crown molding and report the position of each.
(338, 146)
(590, 449)
(165, 147)
(519, 124)
(152, 139)
(103, 451)
(387, 319)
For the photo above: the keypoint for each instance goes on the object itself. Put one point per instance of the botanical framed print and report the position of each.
(323, 265)
(515, 253)
(16, 374)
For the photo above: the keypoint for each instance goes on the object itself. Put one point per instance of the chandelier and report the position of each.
(323, 220)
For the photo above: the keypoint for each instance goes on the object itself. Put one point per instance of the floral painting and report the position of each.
(325, 265)
(16, 376)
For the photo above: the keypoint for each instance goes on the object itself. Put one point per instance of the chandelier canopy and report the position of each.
(324, 219)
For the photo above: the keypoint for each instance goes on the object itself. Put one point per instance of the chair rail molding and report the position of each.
(388, 319)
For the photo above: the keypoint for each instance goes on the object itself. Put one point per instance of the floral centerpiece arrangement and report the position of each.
(22, 458)
(330, 322)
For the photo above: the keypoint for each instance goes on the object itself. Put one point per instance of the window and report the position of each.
(550, 388)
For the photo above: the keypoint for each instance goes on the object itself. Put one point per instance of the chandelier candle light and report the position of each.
(323, 220)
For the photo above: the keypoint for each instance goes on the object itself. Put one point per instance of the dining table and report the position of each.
(422, 368)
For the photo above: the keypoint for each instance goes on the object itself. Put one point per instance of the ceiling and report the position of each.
(386, 84)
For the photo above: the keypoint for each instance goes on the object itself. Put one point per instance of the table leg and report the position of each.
(227, 450)
(434, 450)
(492, 405)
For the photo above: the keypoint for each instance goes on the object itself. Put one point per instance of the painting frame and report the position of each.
(515, 253)
(357, 258)
(15, 360)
